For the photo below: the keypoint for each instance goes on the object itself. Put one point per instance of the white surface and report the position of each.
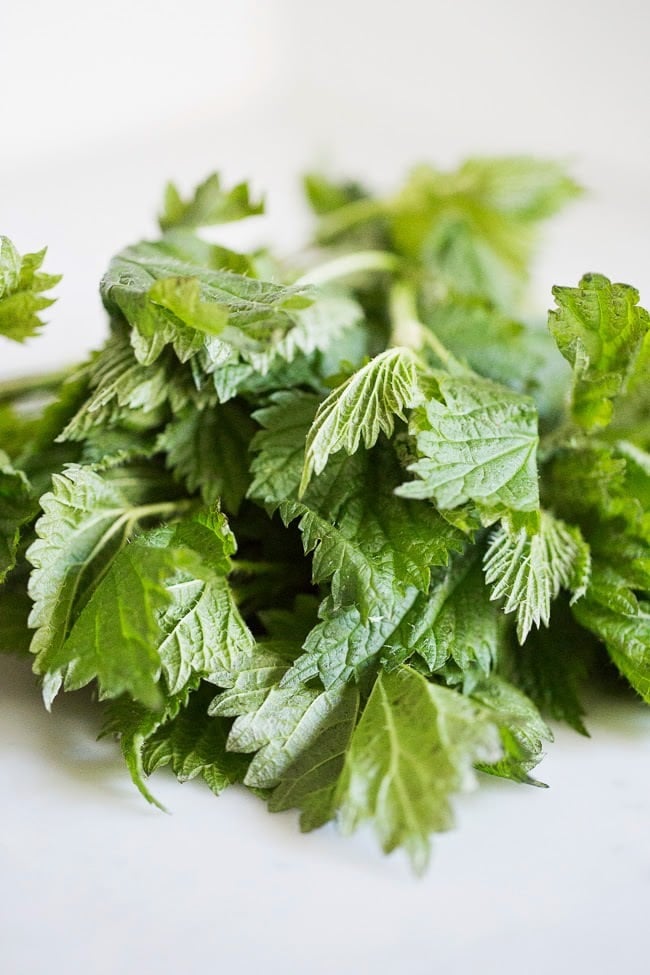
(100, 104)
(532, 881)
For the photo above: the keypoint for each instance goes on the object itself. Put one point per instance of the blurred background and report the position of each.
(102, 103)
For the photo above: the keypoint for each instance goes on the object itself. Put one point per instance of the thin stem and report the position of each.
(408, 330)
(348, 264)
(25, 385)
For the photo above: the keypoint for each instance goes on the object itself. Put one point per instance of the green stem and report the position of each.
(25, 385)
(408, 330)
(348, 264)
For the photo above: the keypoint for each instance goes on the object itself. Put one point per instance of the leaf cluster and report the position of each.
(343, 529)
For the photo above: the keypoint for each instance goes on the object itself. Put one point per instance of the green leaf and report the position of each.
(202, 631)
(599, 328)
(553, 671)
(252, 677)
(346, 644)
(17, 506)
(132, 723)
(22, 284)
(124, 392)
(375, 549)
(521, 728)
(163, 604)
(475, 228)
(478, 445)
(288, 725)
(115, 636)
(455, 621)
(361, 408)
(493, 344)
(194, 744)
(310, 781)
(415, 746)
(372, 545)
(529, 570)
(209, 451)
(86, 520)
(626, 636)
(220, 313)
(211, 204)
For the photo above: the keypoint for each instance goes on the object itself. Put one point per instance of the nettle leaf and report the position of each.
(455, 621)
(476, 227)
(17, 506)
(364, 406)
(115, 636)
(552, 671)
(626, 636)
(22, 287)
(375, 549)
(415, 745)
(286, 726)
(299, 734)
(521, 727)
(202, 630)
(478, 445)
(163, 604)
(252, 676)
(194, 744)
(210, 204)
(368, 542)
(87, 518)
(528, 570)
(133, 724)
(193, 308)
(599, 328)
(346, 644)
(209, 451)
(309, 783)
(124, 391)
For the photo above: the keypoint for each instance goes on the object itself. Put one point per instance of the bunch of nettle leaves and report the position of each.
(301, 521)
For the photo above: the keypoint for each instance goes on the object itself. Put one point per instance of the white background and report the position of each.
(99, 105)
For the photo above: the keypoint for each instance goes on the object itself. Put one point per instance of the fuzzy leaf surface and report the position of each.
(361, 408)
(528, 570)
(414, 747)
(599, 328)
(478, 445)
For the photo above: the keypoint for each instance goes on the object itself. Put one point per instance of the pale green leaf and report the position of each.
(521, 727)
(115, 636)
(364, 406)
(415, 746)
(599, 328)
(22, 287)
(210, 204)
(478, 445)
(86, 520)
(528, 570)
